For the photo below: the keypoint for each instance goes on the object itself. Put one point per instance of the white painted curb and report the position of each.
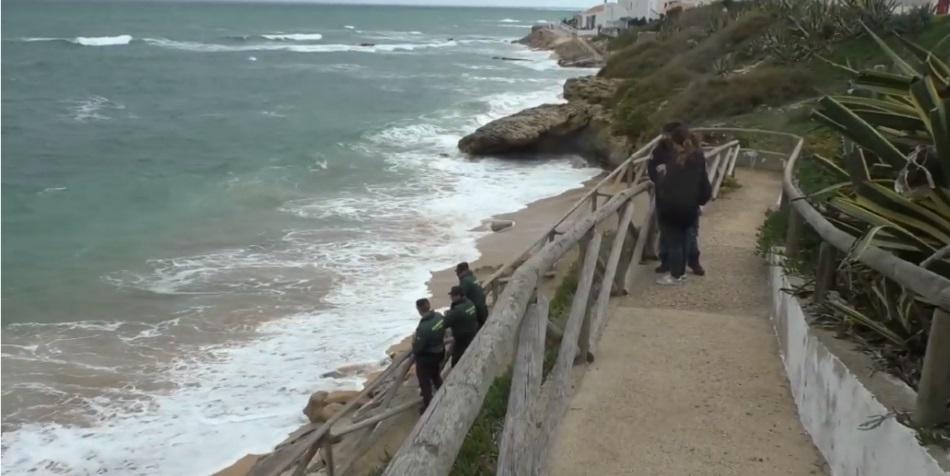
(832, 402)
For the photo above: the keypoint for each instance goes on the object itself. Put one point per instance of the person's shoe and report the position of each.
(669, 280)
(698, 270)
(661, 269)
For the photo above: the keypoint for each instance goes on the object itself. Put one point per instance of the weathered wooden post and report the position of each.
(520, 429)
(328, 456)
(825, 277)
(580, 304)
(933, 391)
(793, 233)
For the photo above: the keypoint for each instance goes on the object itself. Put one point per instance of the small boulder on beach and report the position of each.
(501, 225)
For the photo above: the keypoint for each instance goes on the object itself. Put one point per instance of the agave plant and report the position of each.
(894, 191)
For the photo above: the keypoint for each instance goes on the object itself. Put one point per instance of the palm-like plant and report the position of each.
(894, 172)
(894, 190)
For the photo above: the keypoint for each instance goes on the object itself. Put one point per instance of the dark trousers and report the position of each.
(458, 347)
(428, 370)
(692, 247)
(482, 315)
(676, 239)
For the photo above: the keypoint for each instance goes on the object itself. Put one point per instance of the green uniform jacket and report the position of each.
(430, 335)
(474, 292)
(462, 318)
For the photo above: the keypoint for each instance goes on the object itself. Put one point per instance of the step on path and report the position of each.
(688, 380)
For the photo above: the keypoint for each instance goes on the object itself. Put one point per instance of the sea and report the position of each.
(209, 208)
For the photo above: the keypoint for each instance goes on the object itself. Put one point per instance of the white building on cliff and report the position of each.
(614, 15)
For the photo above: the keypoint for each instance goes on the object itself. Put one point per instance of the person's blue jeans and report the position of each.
(691, 251)
(676, 240)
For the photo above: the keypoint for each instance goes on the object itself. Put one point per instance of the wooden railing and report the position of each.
(933, 390)
(515, 333)
(518, 309)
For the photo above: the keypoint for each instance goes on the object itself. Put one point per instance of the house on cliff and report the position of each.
(611, 17)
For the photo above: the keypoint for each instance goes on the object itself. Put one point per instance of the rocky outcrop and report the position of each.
(571, 50)
(582, 126)
(527, 129)
(591, 89)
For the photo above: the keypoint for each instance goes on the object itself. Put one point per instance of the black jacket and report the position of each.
(430, 335)
(662, 154)
(682, 190)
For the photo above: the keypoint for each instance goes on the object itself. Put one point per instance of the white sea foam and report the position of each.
(293, 36)
(515, 26)
(92, 108)
(349, 27)
(86, 40)
(297, 48)
(104, 40)
(509, 20)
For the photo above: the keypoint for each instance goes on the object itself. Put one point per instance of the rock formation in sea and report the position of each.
(581, 126)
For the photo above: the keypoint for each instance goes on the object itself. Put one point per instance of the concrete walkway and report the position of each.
(689, 380)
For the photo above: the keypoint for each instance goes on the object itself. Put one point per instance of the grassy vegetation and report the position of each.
(707, 65)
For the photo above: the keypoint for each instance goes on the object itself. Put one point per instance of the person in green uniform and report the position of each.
(462, 318)
(473, 291)
(428, 347)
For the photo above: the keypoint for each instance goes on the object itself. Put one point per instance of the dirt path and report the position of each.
(689, 380)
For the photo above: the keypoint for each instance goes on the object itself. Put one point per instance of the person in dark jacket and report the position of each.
(663, 153)
(680, 190)
(473, 291)
(428, 347)
(462, 318)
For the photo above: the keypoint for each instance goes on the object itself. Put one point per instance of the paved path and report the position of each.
(689, 380)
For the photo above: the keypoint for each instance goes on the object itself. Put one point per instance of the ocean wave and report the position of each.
(349, 27)
(92, 108)
(323, 48)
(104, 40)
(293, 36)
(515, 26)
(509, 20)
(87, 40)
(241, 397)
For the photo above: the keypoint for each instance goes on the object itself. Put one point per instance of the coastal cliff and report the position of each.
(582, 125)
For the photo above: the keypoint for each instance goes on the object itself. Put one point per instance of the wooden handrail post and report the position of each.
(793, 233)
(328, 456)
(520, 431)
(606, 286)
(649, 250)
(933, 391)
(302, 465)
(825, 277)
(580, 305)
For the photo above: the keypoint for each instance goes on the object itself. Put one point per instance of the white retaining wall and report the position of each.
(832, 401)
